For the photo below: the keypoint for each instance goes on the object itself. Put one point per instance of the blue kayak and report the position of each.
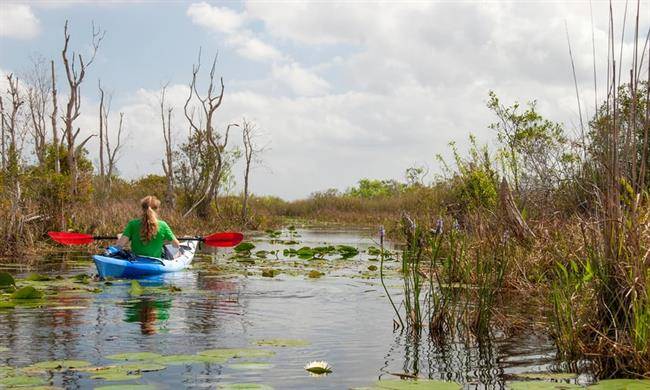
(139, 267)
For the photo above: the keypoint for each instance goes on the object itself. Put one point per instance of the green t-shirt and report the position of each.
(152, 248)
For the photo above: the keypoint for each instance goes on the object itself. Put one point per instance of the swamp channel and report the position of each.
(250, 319)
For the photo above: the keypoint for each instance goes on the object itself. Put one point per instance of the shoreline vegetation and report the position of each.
(561, 221)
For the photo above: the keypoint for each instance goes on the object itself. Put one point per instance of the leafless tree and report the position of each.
(107, 155)
(55, 131)
(75, 77)
(251, 153)
(10, 127)
(38, 100)
(112, 154)
(211, 145)
(168, 161)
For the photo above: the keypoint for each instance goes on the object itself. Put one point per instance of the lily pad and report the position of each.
(270, 272)
(6, 280)
(282, 343)
(38, 278)
(234, 353)
(244, 386)
(27, 292)
(540, 385)
(372, 268)
(422, 384)
(60, 364)
(136, 288)
(134, 356)
(116, 375)
(547, 375)
(125, 372)
(189, 359)
(244, 247)
(315, 274)
(621, 384)
(4, 349)
(251, 366)
(126, 387)
(21, 381)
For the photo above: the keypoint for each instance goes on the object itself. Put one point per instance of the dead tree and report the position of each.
(38, 99)
(55, 131)
(251, 152)
(75, 78)
(211, 145)
(103, 112)
(112, 154)
(168, 161)
(10, 131)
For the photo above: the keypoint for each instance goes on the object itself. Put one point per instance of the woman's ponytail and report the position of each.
(149, 218)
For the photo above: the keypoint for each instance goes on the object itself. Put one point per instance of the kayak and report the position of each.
(116, 266)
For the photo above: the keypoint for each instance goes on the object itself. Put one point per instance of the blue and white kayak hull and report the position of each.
(144, 266)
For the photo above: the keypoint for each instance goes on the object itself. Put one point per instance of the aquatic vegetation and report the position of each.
(126, 387)
(547, 375)
(190, 359)
(6, 280)
(27, 292)
(134, 356)
(34, 277)
(621, 384)
(420, 384)
(318, 367)
(136, 288)
(244, 248)
(541, 385)
(244, 386)
(236, 353)
(313, 274)
(372, 268)
(282, 343)
(57, 365)
(22, 381)
(270, 272)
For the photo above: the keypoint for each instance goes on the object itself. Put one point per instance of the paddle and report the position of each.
(223, 239)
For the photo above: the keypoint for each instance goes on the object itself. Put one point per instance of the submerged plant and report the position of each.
(318, 367)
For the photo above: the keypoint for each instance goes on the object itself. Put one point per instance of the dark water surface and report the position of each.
(344, 316)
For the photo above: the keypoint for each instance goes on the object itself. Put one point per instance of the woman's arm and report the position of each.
(175, 243)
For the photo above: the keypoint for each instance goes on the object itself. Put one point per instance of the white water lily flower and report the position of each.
(318, 367)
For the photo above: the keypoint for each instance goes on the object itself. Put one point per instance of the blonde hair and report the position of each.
(149, 227)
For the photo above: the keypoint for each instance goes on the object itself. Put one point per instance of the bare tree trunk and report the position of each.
(38, 97)
(101, 132)
(74, 102)
(112, 154)
(55, 132)
(167, 162)
(248, 133)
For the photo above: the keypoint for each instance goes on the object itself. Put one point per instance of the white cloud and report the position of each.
(300, 80)
(215, 18)
(253, 48)
(18, 21)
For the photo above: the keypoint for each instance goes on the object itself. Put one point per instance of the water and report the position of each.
(344, 316)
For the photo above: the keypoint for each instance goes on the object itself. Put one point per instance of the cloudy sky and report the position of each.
(339, 90)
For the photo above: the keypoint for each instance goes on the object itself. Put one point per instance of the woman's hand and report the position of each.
(122, 240)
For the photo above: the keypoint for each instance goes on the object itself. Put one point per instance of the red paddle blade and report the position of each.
(68, 238)
(225, 239)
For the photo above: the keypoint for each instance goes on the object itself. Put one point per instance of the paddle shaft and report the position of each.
(178, 238)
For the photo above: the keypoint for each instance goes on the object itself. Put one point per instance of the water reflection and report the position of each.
(146, 312)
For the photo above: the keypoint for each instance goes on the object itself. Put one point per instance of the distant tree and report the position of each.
(251, 154)
(168, 161)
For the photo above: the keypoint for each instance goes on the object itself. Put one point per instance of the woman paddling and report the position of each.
(148, 234)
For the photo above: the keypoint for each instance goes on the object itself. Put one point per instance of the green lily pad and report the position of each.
(7, 304)
(134, 356)
(4, 349)
(27, 292)
(282, 343)
(125, 372)
(315, 274)
(22, 381)
(251, 366)
(189, 359)
(270, 272)
(244, 386)
(540, 385)
(547, 375)
(6, 280)
(372, 268)
(60, 364)
(136, 288)
(38, 278)
(231, 353)
(621, 384)
(126, 387)
(422, 384)
(244, 247)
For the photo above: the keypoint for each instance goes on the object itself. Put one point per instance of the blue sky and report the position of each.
(339, 90)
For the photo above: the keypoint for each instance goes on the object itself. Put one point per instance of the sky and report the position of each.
(338, 91)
